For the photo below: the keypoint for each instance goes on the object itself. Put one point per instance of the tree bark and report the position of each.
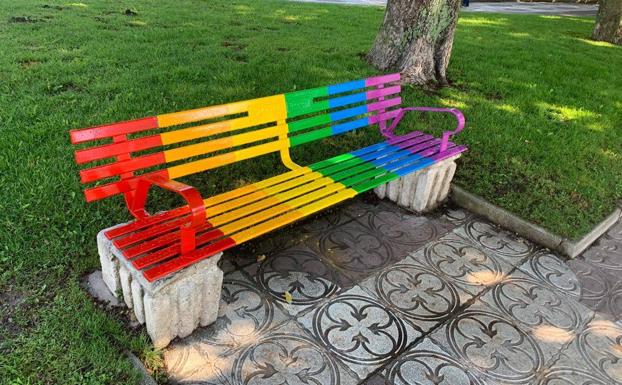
(416, 38)
(609, 22)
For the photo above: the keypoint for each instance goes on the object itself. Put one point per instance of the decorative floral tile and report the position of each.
(354, 250)
(361, 332)
(463, 263)
(553, 271)
(550, 317)
(405, 232)
(456, 215)
(496, 240)
(299, 272)
(600, 291)
(244, 315)
(493, 346)
(256, 249)
(287, 356)
(417, 293)
(326, 221)
(428, 364)
(594, 357)
(282, 355)
(606, 254)
(615, 232)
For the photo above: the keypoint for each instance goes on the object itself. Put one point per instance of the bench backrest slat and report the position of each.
(182, 143)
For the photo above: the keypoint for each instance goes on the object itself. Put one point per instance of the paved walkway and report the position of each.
(370, 294)
(561, 9)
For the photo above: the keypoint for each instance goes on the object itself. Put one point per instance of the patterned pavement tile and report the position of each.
(594, 357)
(615, 232)
(324, 222)
(551, 318)
(299, 271)
(496, 240)
(456, 215)
(361, 332)
(553, 271)
(606, 255)
(249, 252)
(354, 250)
(600, 291)
(463, 263)
(417, 293)
(243, 316)
(428, 364)
(493, 346)
(406, 232)
(287, 356)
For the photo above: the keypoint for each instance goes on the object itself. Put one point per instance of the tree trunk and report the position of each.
(609, 22)
(416, 38)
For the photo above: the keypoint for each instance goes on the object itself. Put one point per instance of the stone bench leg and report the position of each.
(423, 190)
(171, 307)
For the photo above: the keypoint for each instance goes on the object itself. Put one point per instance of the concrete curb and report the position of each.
(145, 377)
(531, 231)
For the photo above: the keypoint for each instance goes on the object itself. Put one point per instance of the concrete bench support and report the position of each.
(171, 307)
(423, 190)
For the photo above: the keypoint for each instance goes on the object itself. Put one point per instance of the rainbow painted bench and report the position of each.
(164, 265)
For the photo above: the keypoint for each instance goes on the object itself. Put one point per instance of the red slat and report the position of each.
(117, 168)
(150, 232)
(115, 149)
(182, 261)
(109, 130)
(156, 243)
(172, 250)
(122, 186)
(146, 222)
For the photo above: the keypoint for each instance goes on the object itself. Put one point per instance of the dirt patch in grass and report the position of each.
(63, 87)
(24, 19)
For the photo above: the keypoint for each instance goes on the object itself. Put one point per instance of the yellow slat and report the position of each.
(291, 216)
(223, 159)
(218, 219)
(254, 187)
(220, 144)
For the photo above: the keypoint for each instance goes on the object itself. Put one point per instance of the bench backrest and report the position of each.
(182, 143)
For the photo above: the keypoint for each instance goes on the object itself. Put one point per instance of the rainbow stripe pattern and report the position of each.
(219, 135)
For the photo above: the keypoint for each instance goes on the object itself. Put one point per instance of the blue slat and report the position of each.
(349, 126)
(371, 148)
(345, 100)
(348, 113)
(345, 87)
(422, 163)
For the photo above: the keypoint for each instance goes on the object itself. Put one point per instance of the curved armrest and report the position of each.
(446, 135)
(189, 193)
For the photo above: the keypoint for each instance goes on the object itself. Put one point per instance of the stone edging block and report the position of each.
(568, 247)
(423, 190)
(171, 307)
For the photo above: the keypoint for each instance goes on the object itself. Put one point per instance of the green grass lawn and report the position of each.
(543, 104)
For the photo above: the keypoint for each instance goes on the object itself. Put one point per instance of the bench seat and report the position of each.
(153, 244)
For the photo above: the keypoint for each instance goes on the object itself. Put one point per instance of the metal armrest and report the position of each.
(189, 193)
(446, 135)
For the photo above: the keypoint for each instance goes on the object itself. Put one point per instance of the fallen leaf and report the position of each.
(288, 297)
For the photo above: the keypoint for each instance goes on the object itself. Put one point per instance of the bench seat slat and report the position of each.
(288, 197)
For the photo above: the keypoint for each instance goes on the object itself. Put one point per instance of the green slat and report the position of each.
(310, 136)
(340, 166)
(309, 122)
(370, 184)
(329, 162)
(301, 102)
(352, 171)
(363, 176)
